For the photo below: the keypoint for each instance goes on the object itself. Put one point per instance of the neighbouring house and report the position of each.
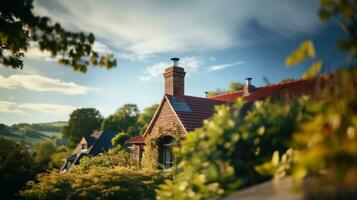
(180, 114)
(98, 142)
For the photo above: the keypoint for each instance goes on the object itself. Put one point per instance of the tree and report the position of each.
(233, 86)
(20, 27)
(43, 152)
(119, 140)
(146, 116)
(81, 123)
(124, 119)
(16, 168)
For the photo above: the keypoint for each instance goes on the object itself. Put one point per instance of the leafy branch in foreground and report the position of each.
(20, 27)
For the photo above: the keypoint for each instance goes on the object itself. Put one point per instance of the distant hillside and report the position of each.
(31, 134)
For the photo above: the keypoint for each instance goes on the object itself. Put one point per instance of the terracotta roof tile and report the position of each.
(201, 109)
(136, 140)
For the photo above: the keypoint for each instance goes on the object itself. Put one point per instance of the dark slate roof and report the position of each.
(97, 142)
(103, 143)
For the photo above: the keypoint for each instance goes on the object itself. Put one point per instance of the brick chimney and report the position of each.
(175, 80)
(248, 88)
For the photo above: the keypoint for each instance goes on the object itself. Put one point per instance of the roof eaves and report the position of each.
(182, 125)
(155, 116)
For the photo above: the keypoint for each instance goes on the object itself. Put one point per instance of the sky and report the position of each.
(218, 42)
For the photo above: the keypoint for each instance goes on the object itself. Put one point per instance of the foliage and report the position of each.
(120, 139)
(16, 167)
(221, 156)
(21, 29)
(81, 123)
(125, 119)
(345, 11)
(150, 157)
(233, 86)
(304, 52)
(145, 117)
(113, 158)
(57, 157)
(43, 152)
(327, 143)
(96, 183)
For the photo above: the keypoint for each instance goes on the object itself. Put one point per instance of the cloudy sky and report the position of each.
(218, 42)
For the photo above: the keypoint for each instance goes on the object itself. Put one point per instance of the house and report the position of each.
(98, 142)
(181, 113)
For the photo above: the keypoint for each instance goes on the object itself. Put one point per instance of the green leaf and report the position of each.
(314, 69)
(304, 51)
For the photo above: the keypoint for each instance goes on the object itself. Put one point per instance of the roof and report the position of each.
(136, 140)
(293, 89)
(199, 110)
(103, 143)
(97, 142)
(192, 111)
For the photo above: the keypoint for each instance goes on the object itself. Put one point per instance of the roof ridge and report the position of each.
(225, 93)
(203, 98)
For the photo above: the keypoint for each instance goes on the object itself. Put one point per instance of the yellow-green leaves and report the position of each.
(314, 69)
(304, 51)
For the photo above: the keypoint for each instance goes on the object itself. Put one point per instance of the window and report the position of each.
(168, 156)
(165, 144)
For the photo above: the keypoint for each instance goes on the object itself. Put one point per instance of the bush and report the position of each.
(114, 158)
(96, 183)
(221, 156)
(120, 139)
(16, 167)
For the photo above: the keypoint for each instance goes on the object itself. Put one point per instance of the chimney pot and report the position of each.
(175, 62)
(248, 88)
(206, 94)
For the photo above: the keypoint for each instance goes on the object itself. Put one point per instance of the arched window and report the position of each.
(165, 144)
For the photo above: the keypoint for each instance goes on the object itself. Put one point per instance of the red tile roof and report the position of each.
(293, 89)
(136, 140)
(201, 109)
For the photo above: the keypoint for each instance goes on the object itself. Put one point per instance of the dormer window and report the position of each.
(84, 146)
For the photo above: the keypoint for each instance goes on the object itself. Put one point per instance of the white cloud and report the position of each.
(42, 84)
(100, 47)
(223, 66)
(53, 109)
(10, 107)
(191, 65)
(24, 108)
(33, 52)
(146, 28)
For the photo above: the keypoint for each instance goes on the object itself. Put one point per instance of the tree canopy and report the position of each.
(21, 29)
(81, 123)
(233, 86)
(124, 119)
(146, 116)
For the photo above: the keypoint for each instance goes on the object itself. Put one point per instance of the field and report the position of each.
(31, 134)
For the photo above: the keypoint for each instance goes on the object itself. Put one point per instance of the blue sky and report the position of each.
(218, 42)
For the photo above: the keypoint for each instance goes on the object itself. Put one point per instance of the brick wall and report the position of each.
(166, 121)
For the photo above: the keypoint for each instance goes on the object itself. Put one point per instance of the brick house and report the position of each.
(182, 114)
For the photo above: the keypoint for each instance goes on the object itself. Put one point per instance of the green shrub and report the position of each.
(114, 158)
(96, 183)
(120, 139)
